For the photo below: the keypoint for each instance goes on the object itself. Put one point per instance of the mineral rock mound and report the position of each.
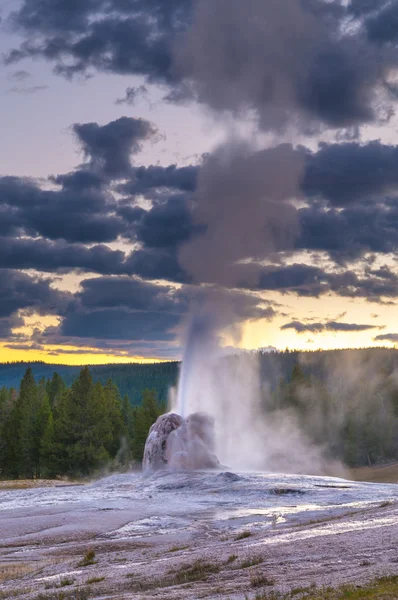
(177, 444)
(155, 446)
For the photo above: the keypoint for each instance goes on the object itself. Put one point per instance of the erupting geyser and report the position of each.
(175, 443)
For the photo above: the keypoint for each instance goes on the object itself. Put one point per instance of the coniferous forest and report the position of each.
(345, 402)
(48, 429)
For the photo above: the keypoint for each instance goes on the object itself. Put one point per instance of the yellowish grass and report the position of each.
(385, 588)
(23, 484)
(388, 474)
(13, 571)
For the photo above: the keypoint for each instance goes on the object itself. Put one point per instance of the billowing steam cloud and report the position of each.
(267, 59)
(243, 201)
(295, 63)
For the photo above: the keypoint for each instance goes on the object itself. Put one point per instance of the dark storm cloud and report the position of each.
(165, 225)
(55, 15)
(84, 210)
(299, 278)
(348, 173)
(84, 216)
(156, 263)
(137, 295)
(119, 36)
(120, 324)
(20, 291)
(109, 147)
(129, 293)
(348, 234)
(124, 308)
(59, 256)
(341, 173)
(219, 52)
(363, 7)
(145, 179)
(312, 281)
(80, 180)
(382, 26)
(74, 15)
(8, 324)
(333, 326)
(352, 176)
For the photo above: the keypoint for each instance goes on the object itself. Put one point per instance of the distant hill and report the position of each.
(131, 379)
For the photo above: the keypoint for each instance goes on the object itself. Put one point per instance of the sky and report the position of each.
(159, 155)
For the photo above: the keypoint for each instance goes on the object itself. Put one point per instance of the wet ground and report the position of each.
(196, 535)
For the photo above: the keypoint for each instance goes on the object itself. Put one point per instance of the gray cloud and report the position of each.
(19, 291)
(387, 337)
(84, 216)
(133, 94)
(312, 281)
(8, 324)
(123, 308)
(26, 91)
(118, 36)
(218, 51)
(20, 75)
(351, 172)
(381, 26)
(146, 179)
(109, 147)
(59, 256)
(327, 326)
(349, 233)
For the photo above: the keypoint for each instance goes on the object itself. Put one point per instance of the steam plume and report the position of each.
(263, 58)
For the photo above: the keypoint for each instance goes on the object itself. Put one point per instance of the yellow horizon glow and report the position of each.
(80, 360)
(76, 360)
(255, 334)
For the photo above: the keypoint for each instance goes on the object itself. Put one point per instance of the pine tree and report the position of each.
(27, 408)
(44, 414)
(81, 427)
(55, 389)
(48, 450)
(113, 408)
(8, 435)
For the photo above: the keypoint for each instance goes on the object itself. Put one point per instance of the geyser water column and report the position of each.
(226, 387)
(199, 343)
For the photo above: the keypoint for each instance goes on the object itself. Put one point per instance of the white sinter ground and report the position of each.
(145, 529)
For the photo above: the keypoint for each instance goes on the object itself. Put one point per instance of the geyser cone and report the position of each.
(174, 443)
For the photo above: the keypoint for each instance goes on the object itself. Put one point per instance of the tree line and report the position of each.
(352, 414)
(49, 430)
(131, 379)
